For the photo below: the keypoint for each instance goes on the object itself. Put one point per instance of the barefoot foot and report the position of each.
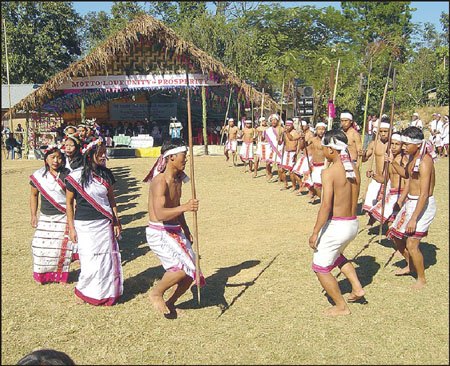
(402, 271)
(419, 284)
(335, 311)
(159, 304)
(354, 296)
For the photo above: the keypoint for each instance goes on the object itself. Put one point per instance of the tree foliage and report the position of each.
(262, 42)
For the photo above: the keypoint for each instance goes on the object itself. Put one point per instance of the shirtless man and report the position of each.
(318, 161)
(168, 235)
(354, 138)
(378, 148)
(246, 152)
(290, 140)
(272, 136)
(336, 225)
(303, 166)
(419, 210)
(231, 145)
(396, 196)
(261, 148)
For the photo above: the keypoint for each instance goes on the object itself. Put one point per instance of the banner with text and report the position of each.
(121, 82)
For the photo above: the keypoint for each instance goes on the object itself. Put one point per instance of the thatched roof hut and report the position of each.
(144, 46)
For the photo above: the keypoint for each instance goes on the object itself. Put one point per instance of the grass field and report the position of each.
(262, 303)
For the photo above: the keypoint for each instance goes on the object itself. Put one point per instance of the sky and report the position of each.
(427, 11)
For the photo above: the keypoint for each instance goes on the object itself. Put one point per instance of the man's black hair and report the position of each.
(172, 144)
(413, 133)
(386, 119)
(46, 357)
(336, 134)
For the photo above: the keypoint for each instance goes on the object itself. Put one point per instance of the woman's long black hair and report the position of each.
(88, 170)
(77, 158)
(63, 157)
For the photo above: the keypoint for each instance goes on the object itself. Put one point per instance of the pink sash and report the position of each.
(51, 187)
(272, 138)
(96, 193)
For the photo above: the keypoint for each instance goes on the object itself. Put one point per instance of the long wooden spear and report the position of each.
(386, 163)
(194, 196)
(381, 113)
(7, 77)
(336, 81)
(226, 116)
(262, 103)
(330, 98)
(365, 112)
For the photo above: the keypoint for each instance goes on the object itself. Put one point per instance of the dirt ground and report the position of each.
(262, 303)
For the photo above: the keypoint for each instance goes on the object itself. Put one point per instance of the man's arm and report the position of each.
(357, 139)
(158, 189)
(425, 172)
(368, 153)
(326, 206)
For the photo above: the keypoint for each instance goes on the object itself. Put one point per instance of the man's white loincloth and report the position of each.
(371, 199)
(52, 249)
(172, 248)
(101, 279)
(288, 160)
(333, 239)
(301, 165)
(316, 174)
(391, 199)
(263, 150)
(398, 228)
(231, 145)
(246, 151)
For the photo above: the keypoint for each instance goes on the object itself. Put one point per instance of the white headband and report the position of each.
(346, 116)
(274, 116)
(385, 125)
(304, 123)
(321, 124)
(396, 136)
(416, 114)
(174, 151)
(248, 121)
(409, 140)
(295, 119)
(262, 119)
(335, 144)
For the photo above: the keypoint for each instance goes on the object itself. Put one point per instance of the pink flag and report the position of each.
(331, 109)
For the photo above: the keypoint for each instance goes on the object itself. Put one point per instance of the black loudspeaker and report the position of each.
(306, 91)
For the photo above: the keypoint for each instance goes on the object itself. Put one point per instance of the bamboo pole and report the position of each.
(262, 104)
(251, 106)
(282, 97)
(381, 113)
(386, 163)
(336, 81)
(193, 192)
(331, 85)
(205, 132)
(365, 112)
(226, 115)
(11, 126)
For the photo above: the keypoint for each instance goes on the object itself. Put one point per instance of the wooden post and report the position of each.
(262, 104)
(26, 150)
(205, 131)
(11, 126)
(226, 115)
(193, 192)
(365, 112)
(251, 105)
(386, 163)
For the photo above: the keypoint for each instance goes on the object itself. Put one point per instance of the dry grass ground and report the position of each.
(262, 303)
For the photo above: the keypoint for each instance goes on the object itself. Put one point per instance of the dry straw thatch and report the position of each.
(121, 43)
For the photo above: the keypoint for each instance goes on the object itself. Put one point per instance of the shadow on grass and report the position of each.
(429, 256)
(133, 244)
(140, 284)
(213, 294)
(366, 268)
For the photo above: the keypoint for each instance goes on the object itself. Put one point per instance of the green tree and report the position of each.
(42, 39)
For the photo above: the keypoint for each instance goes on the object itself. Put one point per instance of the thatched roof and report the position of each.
(145, 27)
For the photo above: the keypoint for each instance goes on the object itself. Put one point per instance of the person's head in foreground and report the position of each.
(175, 151)
(412, 138)
(46, 357)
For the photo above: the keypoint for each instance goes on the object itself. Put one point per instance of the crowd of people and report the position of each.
(326, 165)
(79, 220)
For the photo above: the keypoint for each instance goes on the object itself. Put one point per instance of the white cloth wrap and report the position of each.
(288, 161)
(51, 248)
(101, 279)
(391, 199)
(332, 240)
(424, 220)
(246, 151)
(263, 150)
(371, 199)
(172, 247)
(301, 165)
(231, 145)
(316, 175)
